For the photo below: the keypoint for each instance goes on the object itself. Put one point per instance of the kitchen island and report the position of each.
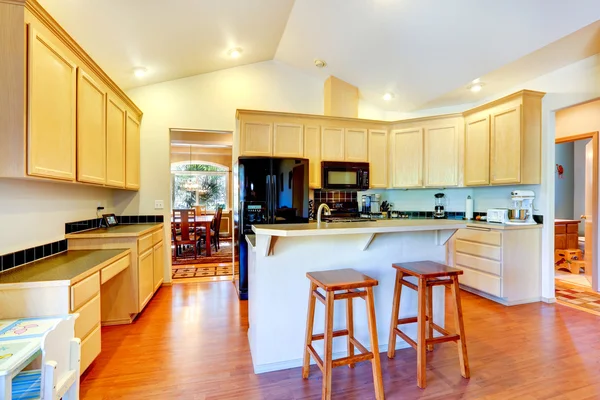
(281, 255)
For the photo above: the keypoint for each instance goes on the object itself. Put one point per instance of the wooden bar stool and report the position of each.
(429, 274)
(349, 281)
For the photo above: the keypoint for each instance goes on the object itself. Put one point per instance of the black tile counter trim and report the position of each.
(78, 226)
(12, 260)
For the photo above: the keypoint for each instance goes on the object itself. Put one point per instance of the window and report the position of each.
(199, 184)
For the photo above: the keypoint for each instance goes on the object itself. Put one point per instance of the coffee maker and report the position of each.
(440, 206)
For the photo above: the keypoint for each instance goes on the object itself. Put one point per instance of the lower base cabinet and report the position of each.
(501, 264)
(146, 277)
(90, 349)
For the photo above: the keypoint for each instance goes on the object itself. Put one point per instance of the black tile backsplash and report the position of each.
(322, 196)
(78, 226)
(11, 260)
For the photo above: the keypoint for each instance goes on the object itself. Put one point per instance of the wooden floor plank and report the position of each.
(191, 343)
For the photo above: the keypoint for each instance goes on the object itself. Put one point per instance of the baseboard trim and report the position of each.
(501, 300)
(124, 321)
(549, 300)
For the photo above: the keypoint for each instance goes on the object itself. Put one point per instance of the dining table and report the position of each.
(20, 344)
(203, 221)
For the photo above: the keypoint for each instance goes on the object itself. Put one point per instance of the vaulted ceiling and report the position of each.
(425, 52)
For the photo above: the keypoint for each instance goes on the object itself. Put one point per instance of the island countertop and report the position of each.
(133, 230)
(351, 228)
(62, 269)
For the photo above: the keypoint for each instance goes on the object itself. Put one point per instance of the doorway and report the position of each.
(576, 210)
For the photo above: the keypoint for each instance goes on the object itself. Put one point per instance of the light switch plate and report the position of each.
(159, 204)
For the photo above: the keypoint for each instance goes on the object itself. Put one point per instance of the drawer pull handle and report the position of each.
(473, 228)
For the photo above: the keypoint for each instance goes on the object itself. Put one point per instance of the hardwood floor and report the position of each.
(190, 343)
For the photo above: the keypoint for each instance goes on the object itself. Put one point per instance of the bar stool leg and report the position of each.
(395, 314)
(350, 327)
(310, 320)
(458, 322)
(421, 335)
(375, 362)
(430, 316)
(328, 361)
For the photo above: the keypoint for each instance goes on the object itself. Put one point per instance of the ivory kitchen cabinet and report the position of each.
(505, 146)
(51, 109)
(378, 158)
(146, 277)
(288, 140)
(356, 144)
(91, 130)
(477, 151)
(158, 256)
(115, 142)
(132, 153)
(312, 152)
(332, 144)
(257, 139)
(441, 166)
(54, 107)
(407, 157)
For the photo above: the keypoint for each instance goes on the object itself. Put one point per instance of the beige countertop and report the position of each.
(504, 227)
(132, 230)
(62, 269)
(350, 228)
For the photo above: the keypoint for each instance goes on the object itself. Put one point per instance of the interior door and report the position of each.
(590, 189)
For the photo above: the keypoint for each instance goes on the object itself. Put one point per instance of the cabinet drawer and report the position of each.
(90, 348)
(144, 243)
(480, 236)
(83, 291)
(560, 228)
(113, 269)
(157, 236)
(478, 263)
(89, 317)
(572, 228)
(478, 249)
(481, 281)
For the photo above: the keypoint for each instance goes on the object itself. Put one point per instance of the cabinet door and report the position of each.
(407, 158)
(158, 265)
(145, 278)
(505, 151)
(288, 140)
(560, 241)
(441, 156)
(332, 144)
(132, 153)
(312, 151)
(378, 158)
(51, 112)
(91, 130)
(355, 145)
(115, 143)
(477, 151)
(572, 241)
(256, 139)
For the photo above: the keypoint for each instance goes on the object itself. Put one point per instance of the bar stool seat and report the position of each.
(428, 274)
(349, 282)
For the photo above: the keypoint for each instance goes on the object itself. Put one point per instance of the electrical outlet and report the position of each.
(159, 204)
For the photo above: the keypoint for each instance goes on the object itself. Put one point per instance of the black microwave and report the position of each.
(344, 175)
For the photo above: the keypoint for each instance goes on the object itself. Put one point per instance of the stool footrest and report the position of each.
(353, 293)
(440, 329)
(409, 320)
(321, 336)
(406, 338)
(443, 339)
(410, 285)
(315, 355)
(319, 296)
(359, 346)
(438, 282)
(351, 360)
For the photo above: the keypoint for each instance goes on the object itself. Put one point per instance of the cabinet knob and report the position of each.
(583, 217)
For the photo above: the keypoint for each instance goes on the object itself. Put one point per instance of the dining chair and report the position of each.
(200, 210)
(217, 228)
(59, 375)
(184, 221)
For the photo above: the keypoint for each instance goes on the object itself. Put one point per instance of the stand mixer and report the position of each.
(521, 212)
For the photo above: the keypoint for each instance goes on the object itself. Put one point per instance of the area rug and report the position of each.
(580, 299)
(200, 271)
(223, 255)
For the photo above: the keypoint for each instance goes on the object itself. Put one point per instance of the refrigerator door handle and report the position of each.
(274, 196)
(268, 199)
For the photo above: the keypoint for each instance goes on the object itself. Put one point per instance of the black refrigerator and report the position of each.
(269, 191)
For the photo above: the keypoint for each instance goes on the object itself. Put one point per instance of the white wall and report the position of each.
(579, 181)
(34, 213)
(563, 191)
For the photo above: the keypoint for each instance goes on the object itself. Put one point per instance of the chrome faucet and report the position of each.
(322, 207)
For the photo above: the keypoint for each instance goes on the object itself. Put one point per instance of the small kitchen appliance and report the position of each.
(497, 215)
(440, 206)
(345, 175)
(521, 212)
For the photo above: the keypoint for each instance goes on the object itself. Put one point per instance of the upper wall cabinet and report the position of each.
(257, 139)
(91, 130)
(132, 153)
(312, 151)
(407, 157)
(51, 109)
(115, 142)
(503, 141)
(288, 140)
(378, 158)
(441, 156)
(355, 145)
(54, 110)
(332, 144)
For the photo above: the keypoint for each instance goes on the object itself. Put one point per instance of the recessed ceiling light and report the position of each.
(476, 87)
(388, 96)
(476, 80)
(320, 63)
(140, 72)
(235, 52)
